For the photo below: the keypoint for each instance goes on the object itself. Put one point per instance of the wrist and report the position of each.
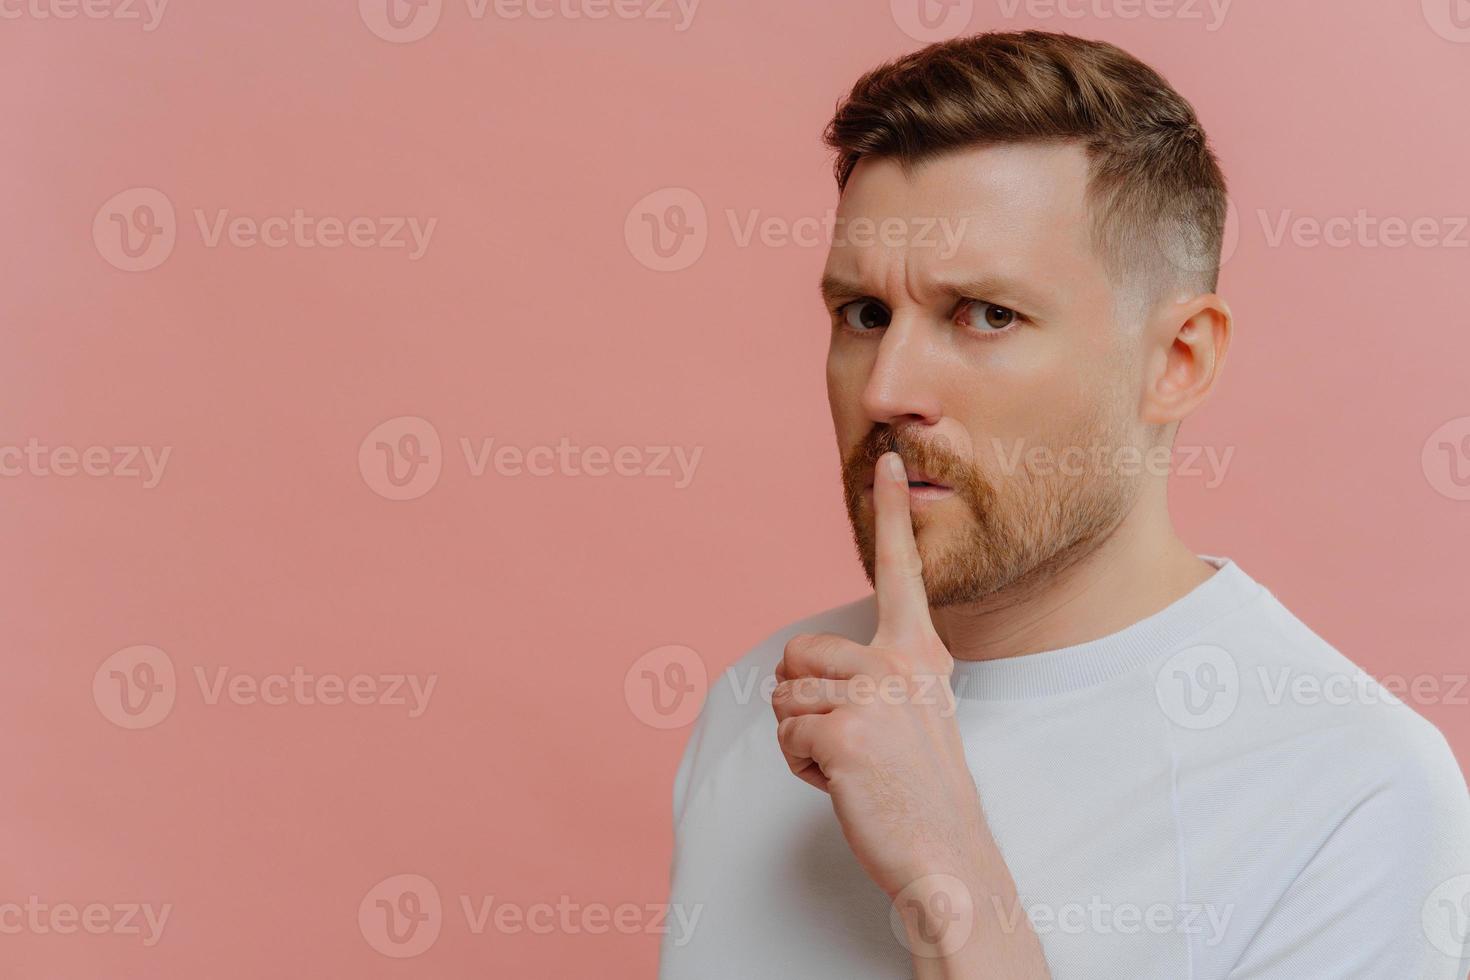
(935, 916)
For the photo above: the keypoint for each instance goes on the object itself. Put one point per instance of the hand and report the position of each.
(874, 725)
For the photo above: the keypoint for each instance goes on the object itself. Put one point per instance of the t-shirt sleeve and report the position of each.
(684, 773)
(1387, 895)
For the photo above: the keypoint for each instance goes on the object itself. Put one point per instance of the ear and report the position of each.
(1188, 343)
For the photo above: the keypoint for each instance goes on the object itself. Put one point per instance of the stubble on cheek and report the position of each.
(1008, 536)
(959, 524)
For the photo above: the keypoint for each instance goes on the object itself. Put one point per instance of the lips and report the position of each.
(920, 480)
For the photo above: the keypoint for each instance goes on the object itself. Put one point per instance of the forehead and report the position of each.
(1014, 211)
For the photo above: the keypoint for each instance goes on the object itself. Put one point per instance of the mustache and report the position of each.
(934, 456)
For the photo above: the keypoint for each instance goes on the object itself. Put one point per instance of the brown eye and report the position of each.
(988, 317)
(865, 314)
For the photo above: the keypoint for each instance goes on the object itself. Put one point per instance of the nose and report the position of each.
(903, 386)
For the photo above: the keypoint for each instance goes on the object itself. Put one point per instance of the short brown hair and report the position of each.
(1154, 181)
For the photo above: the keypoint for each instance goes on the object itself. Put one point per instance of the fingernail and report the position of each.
(895, 468)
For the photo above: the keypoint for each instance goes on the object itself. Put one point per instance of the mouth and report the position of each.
(923, 487)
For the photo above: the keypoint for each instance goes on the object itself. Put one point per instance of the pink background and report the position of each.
(532, 774)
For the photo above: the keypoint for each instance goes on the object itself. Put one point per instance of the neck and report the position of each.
(1132, 573)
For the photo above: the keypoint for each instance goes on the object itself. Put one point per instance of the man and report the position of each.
(1055, 741)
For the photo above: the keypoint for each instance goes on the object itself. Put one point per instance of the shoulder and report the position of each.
(1357, 808)
(1322, 745)
(1296, 684)
(739, 698)
(743, 689)
(1315, 801)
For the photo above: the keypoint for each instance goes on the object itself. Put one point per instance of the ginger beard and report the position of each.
(997, 534)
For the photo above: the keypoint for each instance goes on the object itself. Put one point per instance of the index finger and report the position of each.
(903, 605)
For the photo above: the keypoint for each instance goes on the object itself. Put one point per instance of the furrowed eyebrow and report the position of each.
(835, 288)
(993, 289)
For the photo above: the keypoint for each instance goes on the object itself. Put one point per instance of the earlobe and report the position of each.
(1193, 338)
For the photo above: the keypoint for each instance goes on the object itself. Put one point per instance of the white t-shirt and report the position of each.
(1212, 792)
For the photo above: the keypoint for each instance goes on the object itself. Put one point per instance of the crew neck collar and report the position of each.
(1084, 664)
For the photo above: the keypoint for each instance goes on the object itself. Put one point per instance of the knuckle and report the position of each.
(847, 733)
(811, 653)
(937, 658)
(799, 651)
(892, 662)
(787, 732)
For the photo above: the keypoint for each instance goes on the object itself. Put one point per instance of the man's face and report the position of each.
(977, 338)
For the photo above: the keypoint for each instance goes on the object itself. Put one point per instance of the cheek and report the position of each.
(846, 377)
(1030, 395)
